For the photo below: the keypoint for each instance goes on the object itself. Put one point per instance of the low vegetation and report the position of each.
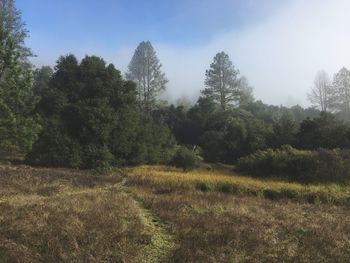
(186, 159)
(214, 227)
(165, 179)
(298, 165)
(212, 224)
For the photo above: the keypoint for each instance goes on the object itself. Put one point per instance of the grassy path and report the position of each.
(162, 243)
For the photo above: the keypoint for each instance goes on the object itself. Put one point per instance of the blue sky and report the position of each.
(279, 45)
(110, 23)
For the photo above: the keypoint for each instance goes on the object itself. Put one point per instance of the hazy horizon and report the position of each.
(278, 45)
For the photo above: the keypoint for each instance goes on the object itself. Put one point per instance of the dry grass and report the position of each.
(164, 215)
(220, 217)
(25, 180)
(215, 227)
(64, 215)
(166, 179)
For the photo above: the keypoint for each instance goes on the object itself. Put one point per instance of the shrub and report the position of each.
(186, 159)
(333, 165)
(298, 165)
(98, 157)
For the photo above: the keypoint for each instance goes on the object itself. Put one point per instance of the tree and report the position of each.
(321, 94)
(246, 92)
(232, 134)
(42, 77)
(284, 131)
(222, 81)
(145, 70)
(186, 159)
(326, 131)
(91, 120)
(18, 126)
(341, 83)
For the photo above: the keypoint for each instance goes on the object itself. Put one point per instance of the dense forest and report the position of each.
(87, 114)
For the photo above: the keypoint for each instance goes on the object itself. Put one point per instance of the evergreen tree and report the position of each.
(42, 77)
(18, 126)
(145, 70)
(222, 81)
(91, 119)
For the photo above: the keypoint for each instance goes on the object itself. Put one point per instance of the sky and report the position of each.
(279, 45)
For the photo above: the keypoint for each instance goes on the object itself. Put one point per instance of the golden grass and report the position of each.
(62, 215)
(225, 181)
(216, 227)
(164, 215)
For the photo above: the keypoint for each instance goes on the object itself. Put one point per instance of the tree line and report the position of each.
(87, 114)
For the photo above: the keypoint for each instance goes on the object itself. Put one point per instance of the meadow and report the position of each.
(161, 214)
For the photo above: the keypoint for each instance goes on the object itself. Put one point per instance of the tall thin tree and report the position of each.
(145, 70)
(222, 81)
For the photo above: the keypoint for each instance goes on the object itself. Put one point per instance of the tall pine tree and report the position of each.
(145, 70)
(223, 85)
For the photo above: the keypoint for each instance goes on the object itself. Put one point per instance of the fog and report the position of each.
(279, 54)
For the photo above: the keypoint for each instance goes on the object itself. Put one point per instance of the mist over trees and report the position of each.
(341, 86)
(321, 95)
(332, 95)
(145, 70)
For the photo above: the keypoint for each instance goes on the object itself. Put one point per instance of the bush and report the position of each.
(55, 149)
(186, 159)
(98, 158)
(334, 165)
(297, 165)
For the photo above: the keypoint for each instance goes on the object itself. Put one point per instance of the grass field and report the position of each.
(58, 215)
(160, 214)
(224, 181)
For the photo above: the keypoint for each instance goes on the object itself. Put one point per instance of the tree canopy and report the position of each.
(90, 119)
(18, 125)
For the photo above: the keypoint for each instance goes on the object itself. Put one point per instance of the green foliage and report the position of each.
(153, 143)
(186, 159)
(18, 126)
(284, 132)
(323, 132)
(42, 77)
(286, 161)
(232, 134)
(300, 165)
(91, 120)
(222, 81)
